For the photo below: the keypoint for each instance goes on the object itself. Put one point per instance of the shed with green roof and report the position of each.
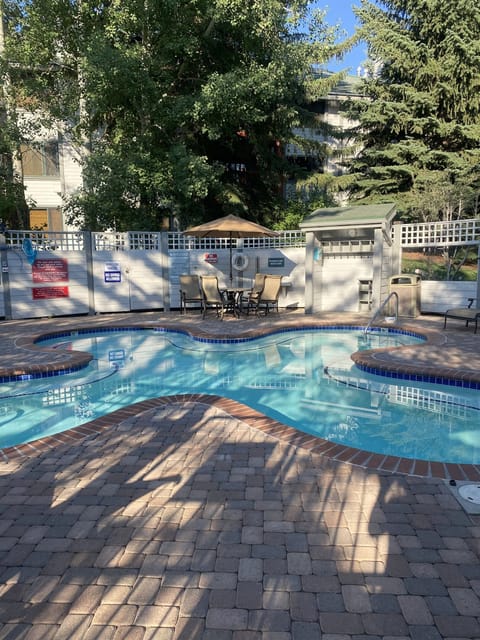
(350, 256)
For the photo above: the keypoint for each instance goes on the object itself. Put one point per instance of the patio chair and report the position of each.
(250, 298)
(190, 292)
(212, 296)
(468, 313)
(268, 298)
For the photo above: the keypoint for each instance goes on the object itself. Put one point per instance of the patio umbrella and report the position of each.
(230, 227)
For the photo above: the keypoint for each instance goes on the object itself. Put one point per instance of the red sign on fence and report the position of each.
(50, 270)
(47, 293)
(211, 258)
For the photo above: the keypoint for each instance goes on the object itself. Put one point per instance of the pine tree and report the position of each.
(420, 128)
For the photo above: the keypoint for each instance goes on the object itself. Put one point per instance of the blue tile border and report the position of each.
(418, 377)
(374, 370)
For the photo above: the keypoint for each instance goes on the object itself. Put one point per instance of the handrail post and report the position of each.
(392, 294)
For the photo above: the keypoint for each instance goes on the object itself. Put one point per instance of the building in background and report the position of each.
(329, 150)
(51, 166)
(51, 169)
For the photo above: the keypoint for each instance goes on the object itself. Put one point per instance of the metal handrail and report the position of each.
(393, 294)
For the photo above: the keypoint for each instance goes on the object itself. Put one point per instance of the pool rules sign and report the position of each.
(112, 272)
(47, 271)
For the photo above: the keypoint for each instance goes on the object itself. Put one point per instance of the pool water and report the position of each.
(305, 379)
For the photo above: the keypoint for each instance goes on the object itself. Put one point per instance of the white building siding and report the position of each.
(42, 193)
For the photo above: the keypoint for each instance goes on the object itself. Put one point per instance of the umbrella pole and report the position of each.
(231, 272)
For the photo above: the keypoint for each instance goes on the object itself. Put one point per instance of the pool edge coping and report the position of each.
(316, 445)
(373, 361)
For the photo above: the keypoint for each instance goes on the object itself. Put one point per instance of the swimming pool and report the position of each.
(303, 378)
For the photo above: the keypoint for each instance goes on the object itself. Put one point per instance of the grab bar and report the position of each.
(393, 294)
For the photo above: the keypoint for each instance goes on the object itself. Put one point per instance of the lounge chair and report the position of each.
(212, 296)
(190, 292)
(469, 314)
(250, 298)
(268, 298)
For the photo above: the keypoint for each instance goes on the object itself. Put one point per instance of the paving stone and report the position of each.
(39, 591)
(465, 601)
(275, 566)
(415, 610)
(425, 587)
(385, 585)
(348, 623)
(88, 600)
(194, 603)
(185, 579)
(247, 635)
(457, 556)
(144, 591)
(222, 598)
(203, 560)
(249, 595)
(72, 626)
(252, 535)
(356, 598)
(439, 605)
(156, 616)
(457, 626)
(217, 634)
(424, 633)
(268, 551)
(296, 542)
(330, 602)
(217, 580)
(299, 563)
(451, 576)
(114, 614)
(282, 583)
(250, 569)
(279, 600)
(227, 565)
(306, 631)
(229, 619)
(303, 606)
(45, 612)
(397, 566)
(129, 633)
(383, 624)
(263, 620)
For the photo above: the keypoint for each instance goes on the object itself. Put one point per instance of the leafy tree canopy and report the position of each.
(178, 104)
(421, 127)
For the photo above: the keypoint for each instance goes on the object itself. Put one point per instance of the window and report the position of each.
(46, 220)
(41, 160)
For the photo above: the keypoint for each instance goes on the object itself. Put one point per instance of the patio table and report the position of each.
(234, 298)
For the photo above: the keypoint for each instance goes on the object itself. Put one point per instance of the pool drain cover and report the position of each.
(470, 492)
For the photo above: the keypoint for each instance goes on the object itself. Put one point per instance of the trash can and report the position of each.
(407, 287)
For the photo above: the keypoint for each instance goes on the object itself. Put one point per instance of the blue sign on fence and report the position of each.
(112, 276)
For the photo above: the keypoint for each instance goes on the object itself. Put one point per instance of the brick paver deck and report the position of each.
(182, 521)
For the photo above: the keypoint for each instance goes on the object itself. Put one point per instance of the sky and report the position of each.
(340, 11)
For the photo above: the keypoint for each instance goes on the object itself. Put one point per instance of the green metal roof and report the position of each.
(357, 216)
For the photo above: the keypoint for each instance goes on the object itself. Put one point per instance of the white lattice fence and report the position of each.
(439, 234)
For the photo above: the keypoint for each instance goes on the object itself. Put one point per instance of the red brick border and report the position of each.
(255, 419)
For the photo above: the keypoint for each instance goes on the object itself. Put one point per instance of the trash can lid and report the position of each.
(405, 278)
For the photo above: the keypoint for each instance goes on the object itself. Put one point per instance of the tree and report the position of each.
(178, 105)
(421, 127)
(13, 208)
